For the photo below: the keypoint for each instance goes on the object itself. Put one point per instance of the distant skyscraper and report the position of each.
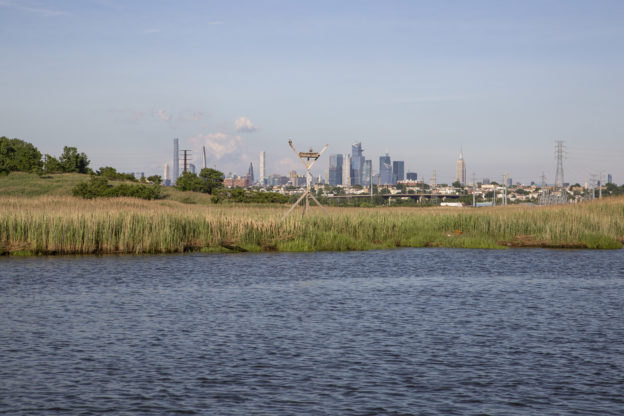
(411, 176)
(385, 170)
(398, 171)
(192, 169)
(609, 178)
(357, 164)
(367, 172)
(460, 170)
(335, 170)
(167, 176)
(250, 174)
(176, 162)
(346, 170)
(262, 169)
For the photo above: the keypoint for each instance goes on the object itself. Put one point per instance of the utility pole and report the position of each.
(204, 150)
(505, 178)
(186, 157)
(543, 180)
(370, 182)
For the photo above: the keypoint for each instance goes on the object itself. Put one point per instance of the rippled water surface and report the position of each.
(414, 331)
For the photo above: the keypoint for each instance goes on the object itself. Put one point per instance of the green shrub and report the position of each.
(98, 187)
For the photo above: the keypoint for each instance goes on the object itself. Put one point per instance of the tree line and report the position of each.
(20, 156)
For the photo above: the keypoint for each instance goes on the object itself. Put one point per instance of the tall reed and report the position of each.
(64, 225)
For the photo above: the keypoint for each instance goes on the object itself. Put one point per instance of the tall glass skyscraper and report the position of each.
(367, 172)
(385, 170)
(398, 171)
(357, 164)
(335, 170)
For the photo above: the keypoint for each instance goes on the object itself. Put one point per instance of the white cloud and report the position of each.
(161, 114)
(33, 7)
(243, 124)
(217, 145)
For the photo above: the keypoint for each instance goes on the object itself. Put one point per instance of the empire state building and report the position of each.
(460, 170)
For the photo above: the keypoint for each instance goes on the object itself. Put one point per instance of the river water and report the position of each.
(410, 331)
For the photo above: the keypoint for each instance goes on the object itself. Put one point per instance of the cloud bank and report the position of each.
(217, 145)
(244, 125)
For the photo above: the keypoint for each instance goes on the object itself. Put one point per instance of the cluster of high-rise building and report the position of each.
(349, 169)
(354, 169)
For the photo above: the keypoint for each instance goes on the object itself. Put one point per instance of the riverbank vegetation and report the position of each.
(69, 225)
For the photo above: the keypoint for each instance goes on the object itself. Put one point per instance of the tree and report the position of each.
(18, 155)
(108, 172)
(190, 182)
(155, 179)
(52, 165)
(72, 161)
(457, 184)
(213, 179)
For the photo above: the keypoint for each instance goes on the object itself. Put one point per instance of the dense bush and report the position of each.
(242, 195)
(98, 187)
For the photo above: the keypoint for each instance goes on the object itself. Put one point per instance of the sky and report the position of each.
(420, 80)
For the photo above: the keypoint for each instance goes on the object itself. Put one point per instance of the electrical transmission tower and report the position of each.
(186, 157)
(593, 183)
(559, 175)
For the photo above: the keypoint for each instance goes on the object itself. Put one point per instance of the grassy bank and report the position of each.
(56, 224)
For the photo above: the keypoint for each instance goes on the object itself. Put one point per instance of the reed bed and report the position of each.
(68, 225)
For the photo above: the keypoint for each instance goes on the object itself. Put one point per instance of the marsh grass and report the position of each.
(68, 225)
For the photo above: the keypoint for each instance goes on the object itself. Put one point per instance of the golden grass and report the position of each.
(64, 225)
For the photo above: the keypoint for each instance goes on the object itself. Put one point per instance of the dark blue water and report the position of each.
(415, 331)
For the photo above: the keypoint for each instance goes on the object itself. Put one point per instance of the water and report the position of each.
(414, 331)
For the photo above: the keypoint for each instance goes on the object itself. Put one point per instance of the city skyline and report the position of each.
(417, 80)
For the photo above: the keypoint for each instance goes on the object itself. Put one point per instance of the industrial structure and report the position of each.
(176, 162)
(310, 159)
(559, 173)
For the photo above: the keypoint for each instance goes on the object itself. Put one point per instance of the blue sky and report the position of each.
(502, 79)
